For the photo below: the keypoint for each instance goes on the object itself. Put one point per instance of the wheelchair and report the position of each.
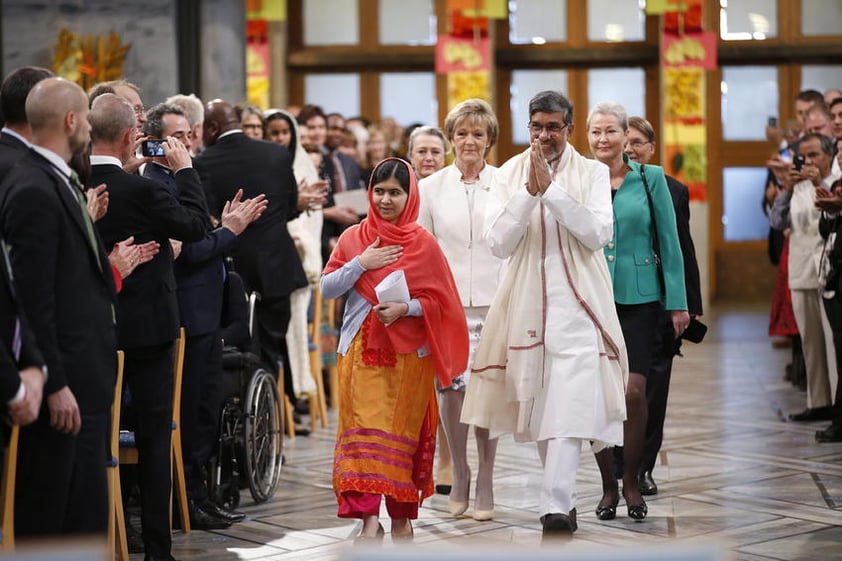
(250, 445)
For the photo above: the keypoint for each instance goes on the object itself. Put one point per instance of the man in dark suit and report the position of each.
(641, 147)
(22, 368)
(16, 135)
(265, 255)
(200, 277)
(147, 310)
(66, 289)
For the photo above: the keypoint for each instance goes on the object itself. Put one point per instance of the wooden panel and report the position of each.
(739, 153)
(593, 56)
(815, 51)
(339, 59)
(743, 271)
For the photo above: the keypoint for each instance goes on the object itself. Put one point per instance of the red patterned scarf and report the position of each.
(442, 326)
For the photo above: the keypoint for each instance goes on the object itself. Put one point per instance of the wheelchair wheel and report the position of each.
(263, 436)
(224, 468)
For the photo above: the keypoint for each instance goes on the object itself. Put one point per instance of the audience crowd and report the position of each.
(545, 298)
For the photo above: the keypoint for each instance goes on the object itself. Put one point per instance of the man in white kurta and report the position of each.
(551, 365)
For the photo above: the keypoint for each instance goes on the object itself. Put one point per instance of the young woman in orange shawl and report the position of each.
(389, 354)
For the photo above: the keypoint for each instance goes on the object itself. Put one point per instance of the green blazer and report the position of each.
(629, 254)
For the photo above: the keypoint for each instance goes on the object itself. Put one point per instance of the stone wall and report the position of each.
(30, 30)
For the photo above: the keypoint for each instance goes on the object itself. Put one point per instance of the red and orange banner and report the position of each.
(686, 53)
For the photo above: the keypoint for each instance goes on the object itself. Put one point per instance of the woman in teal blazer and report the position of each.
(639, 291)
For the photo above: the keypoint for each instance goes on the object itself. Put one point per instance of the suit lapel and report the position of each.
(73, 208)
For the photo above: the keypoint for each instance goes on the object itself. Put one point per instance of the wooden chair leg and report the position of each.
(318, 405)
(289, 421)
(118, 542)
(10, 466)
(180, 485)
(286, 405)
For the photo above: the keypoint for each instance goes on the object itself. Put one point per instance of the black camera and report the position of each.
(798, 162)
(152, 148)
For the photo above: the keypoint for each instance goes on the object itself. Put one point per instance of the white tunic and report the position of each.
(574, 399)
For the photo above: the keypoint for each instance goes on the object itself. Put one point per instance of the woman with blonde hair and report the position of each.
(646, 265)
(453, 204)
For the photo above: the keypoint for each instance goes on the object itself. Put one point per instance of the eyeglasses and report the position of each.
(139, 110)
(638, 143)
(553, 129)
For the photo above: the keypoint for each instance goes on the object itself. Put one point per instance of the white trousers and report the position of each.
(560, 458)
(298, 342)
(817, 344)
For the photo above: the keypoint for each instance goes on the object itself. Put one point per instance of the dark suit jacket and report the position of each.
(199, 270)
(10, 312)
(147, 312)
(352, 171)
(353, 180)
(265, 255)
(66, 290)
(12, 151)
(681, 201)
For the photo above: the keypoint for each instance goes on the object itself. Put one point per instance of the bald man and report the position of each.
(148, 317)
(265, 255)
(66, 289)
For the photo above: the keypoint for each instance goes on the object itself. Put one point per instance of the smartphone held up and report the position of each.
(152, 148)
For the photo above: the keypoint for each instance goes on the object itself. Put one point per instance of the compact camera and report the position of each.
(798, 162)
(152, 148)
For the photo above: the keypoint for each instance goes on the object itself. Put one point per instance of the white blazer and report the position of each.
(445, 213)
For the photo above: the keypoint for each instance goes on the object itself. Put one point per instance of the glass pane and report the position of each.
(334, 92)
(626, 86)
(742, 214)
(740, 20)
(821, 77)
(616, 20)
(749, 98)
(409, 97)
(537, 21)
(407, 22)
(525, 84)
(821, 17)
(331, 22)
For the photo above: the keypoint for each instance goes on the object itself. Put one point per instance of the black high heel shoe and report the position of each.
(638, 512)
(607, 512)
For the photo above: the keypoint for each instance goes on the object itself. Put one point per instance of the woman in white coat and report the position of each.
(453, 209)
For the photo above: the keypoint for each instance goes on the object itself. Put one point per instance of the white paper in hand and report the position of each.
(393, 288)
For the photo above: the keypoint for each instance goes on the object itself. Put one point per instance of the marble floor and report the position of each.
(737, 481)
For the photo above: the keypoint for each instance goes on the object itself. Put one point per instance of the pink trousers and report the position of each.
(354, 504)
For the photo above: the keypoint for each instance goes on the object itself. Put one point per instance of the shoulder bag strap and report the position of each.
(656, 249)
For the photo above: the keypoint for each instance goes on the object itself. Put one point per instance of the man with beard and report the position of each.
(66, 289)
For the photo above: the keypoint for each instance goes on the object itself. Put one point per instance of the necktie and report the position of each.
(338, 174)
(89, 224)
(17, 342)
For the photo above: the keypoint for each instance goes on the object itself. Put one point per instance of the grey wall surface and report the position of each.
(223, 52)
(30, 30)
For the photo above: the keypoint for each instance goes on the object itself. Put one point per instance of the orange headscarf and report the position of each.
(442, 326)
